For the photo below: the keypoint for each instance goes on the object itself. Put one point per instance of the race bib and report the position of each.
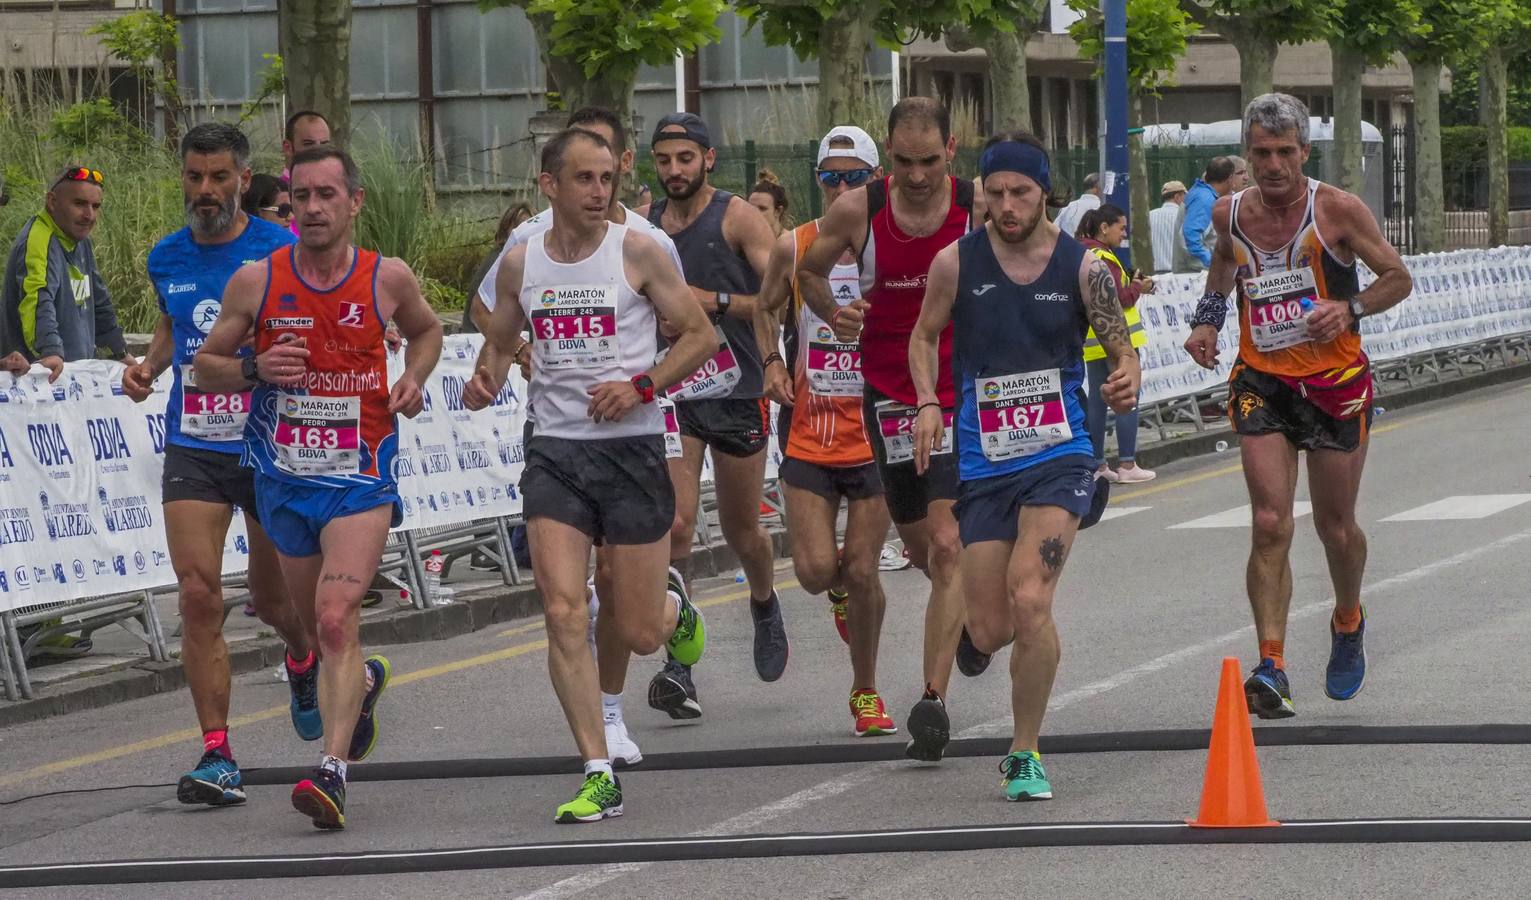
(672, 446)
(714, 378)
(211, 416)
(576, 326)
(318, 435)
(1019, 415)
(834, 368)
(895, 425)
(1277, 319)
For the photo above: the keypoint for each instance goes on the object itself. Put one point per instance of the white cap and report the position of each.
(862, 146)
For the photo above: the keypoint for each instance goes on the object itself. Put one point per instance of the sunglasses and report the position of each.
(79, 174)
(854, 178)
(282, 211)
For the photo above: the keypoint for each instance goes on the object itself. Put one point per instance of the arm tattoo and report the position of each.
(1053, 552)
(1104, 308)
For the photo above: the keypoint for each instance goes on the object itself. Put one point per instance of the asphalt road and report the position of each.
(1146, 610)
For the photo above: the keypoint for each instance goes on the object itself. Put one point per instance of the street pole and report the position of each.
(1114, 91)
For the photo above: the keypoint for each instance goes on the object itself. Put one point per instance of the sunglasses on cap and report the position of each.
(282, 211)
(854, 177)
(79, 173)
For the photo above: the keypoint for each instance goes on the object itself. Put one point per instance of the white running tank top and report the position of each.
(588, 326)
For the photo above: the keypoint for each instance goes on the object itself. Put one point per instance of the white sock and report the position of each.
(371, 679)
(597, 765)
(334, 764)
(611, 706)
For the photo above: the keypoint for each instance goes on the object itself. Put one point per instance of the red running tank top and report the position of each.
(894, 268)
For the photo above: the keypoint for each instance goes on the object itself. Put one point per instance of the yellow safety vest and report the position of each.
(1092, 348)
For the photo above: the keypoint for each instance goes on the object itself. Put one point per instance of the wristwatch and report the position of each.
(1357, 309)
(248, 371)
(645, 386)
(723, 303)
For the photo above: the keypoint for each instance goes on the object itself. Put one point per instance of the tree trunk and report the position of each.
(1009, 91)
(575, 89)
(1257, 63)
(315, 43)
(1348, 66)
(1495, 76)
(1138, 193)
(1429, 191)
(842, 64)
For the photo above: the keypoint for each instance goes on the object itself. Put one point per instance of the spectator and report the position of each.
(1102, 231)
(770, 198)
(1162, 225)
(1068, 220)
(511, 218)
(267, 198)
(305, 130)
(1241, 178)
(1195, 253)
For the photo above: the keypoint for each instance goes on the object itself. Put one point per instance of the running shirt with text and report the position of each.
(1271, 287)
(334, 429)
(189, 278)
(827, 383)
(894, 269)
(1018, 361)
(589, 325)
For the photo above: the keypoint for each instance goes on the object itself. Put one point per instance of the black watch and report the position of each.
(1357, 308)
(724, 301)
(248, 371)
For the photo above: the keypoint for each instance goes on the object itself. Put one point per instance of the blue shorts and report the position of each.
(989, 509)
(294, 514)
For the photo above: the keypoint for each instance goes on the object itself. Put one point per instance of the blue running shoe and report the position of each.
(305, 702)
(214, 782)
(1268, 692)
(1347, 661)
(364, 735)
(1025, 779)
(322, 798)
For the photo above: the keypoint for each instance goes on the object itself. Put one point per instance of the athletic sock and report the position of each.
(611, 706)
(1272, 650)
(334, 764)
(217, 741)
(598, 765)
(1347, 622)
(295, 667)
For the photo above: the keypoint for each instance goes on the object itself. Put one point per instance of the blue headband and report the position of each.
(1019, 157)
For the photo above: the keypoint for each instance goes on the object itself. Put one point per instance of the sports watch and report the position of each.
(248, 370)
(645, 386)
(1357, 309)
(724, 301)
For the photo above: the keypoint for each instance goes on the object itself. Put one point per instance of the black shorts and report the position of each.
(192, 473)
(832, 482)
(909, 494)
(1261, 403)
(989, 509)
(737, 427)
(617, 491)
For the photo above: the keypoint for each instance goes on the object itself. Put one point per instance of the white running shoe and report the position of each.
(620, 748)
(1135, 474)
(893, 559)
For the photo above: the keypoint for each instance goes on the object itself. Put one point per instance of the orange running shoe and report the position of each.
(871, 716)
(838, 604)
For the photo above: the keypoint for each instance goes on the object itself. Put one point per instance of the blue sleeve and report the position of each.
(1198, 219)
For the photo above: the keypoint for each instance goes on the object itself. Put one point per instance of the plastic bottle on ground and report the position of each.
(434, 564)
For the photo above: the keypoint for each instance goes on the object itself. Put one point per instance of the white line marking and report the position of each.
(1238, 517)
(1471, 506)
(1117, 512)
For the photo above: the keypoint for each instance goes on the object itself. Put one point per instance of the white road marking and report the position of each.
(1469, 506)
(1118, 512)
(1238, 517)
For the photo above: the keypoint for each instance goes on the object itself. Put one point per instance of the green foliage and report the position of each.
(1293, 21)
(1460, 105)
(139, 38)
(1466, 146)
(1157, 31)
(1376, 28)
(90, 122)
(609, 39)
(1451, 32)
(273, 86)
(894, 24)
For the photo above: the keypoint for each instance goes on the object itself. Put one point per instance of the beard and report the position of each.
(210, 222)
(687, 191)
(1027, 228)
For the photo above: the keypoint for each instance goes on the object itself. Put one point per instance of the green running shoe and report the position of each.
(691, 630)
(600, 797)
(1025, 779)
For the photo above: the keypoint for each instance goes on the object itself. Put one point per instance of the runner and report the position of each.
(1018, 295)
(613, 655)
(725, 245)
(321, 435)
(827, 457)
(203, 482)
(894, 227)
(595, 471)
(1301, 381)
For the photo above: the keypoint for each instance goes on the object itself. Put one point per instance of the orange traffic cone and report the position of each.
(1231, 795)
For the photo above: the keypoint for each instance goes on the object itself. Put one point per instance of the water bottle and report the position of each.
(433, 566)
(739, 577)
(1221, 446)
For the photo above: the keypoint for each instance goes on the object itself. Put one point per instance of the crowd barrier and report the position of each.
(81, 530)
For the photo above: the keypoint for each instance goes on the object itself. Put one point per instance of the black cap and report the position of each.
(694, 129)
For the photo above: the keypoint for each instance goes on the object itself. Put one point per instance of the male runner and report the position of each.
(1289, 246)
(204, 430)
(1019, 295)
(595, 470)
(826, 455)
(613, 655)
(724, 244)
(894, 227)
(321, 434)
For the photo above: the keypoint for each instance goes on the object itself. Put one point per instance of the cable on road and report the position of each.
(587, 854)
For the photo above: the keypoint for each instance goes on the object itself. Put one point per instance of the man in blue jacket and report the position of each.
(1193, 253)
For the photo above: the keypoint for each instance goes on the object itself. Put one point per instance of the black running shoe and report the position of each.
(672, 692)
(970, 660)
(929, 728)
(770, 639)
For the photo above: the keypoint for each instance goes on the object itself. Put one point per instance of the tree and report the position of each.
(147, 42)
(1157, 31)
(592, 48)
(1003, 33)
(314, 40)
(1257, 28)
(1505, 25)
(1362, 33)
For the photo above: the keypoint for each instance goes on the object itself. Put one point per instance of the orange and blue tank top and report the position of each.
(334, 429)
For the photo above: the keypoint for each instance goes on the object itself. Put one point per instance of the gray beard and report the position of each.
(203, 224)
